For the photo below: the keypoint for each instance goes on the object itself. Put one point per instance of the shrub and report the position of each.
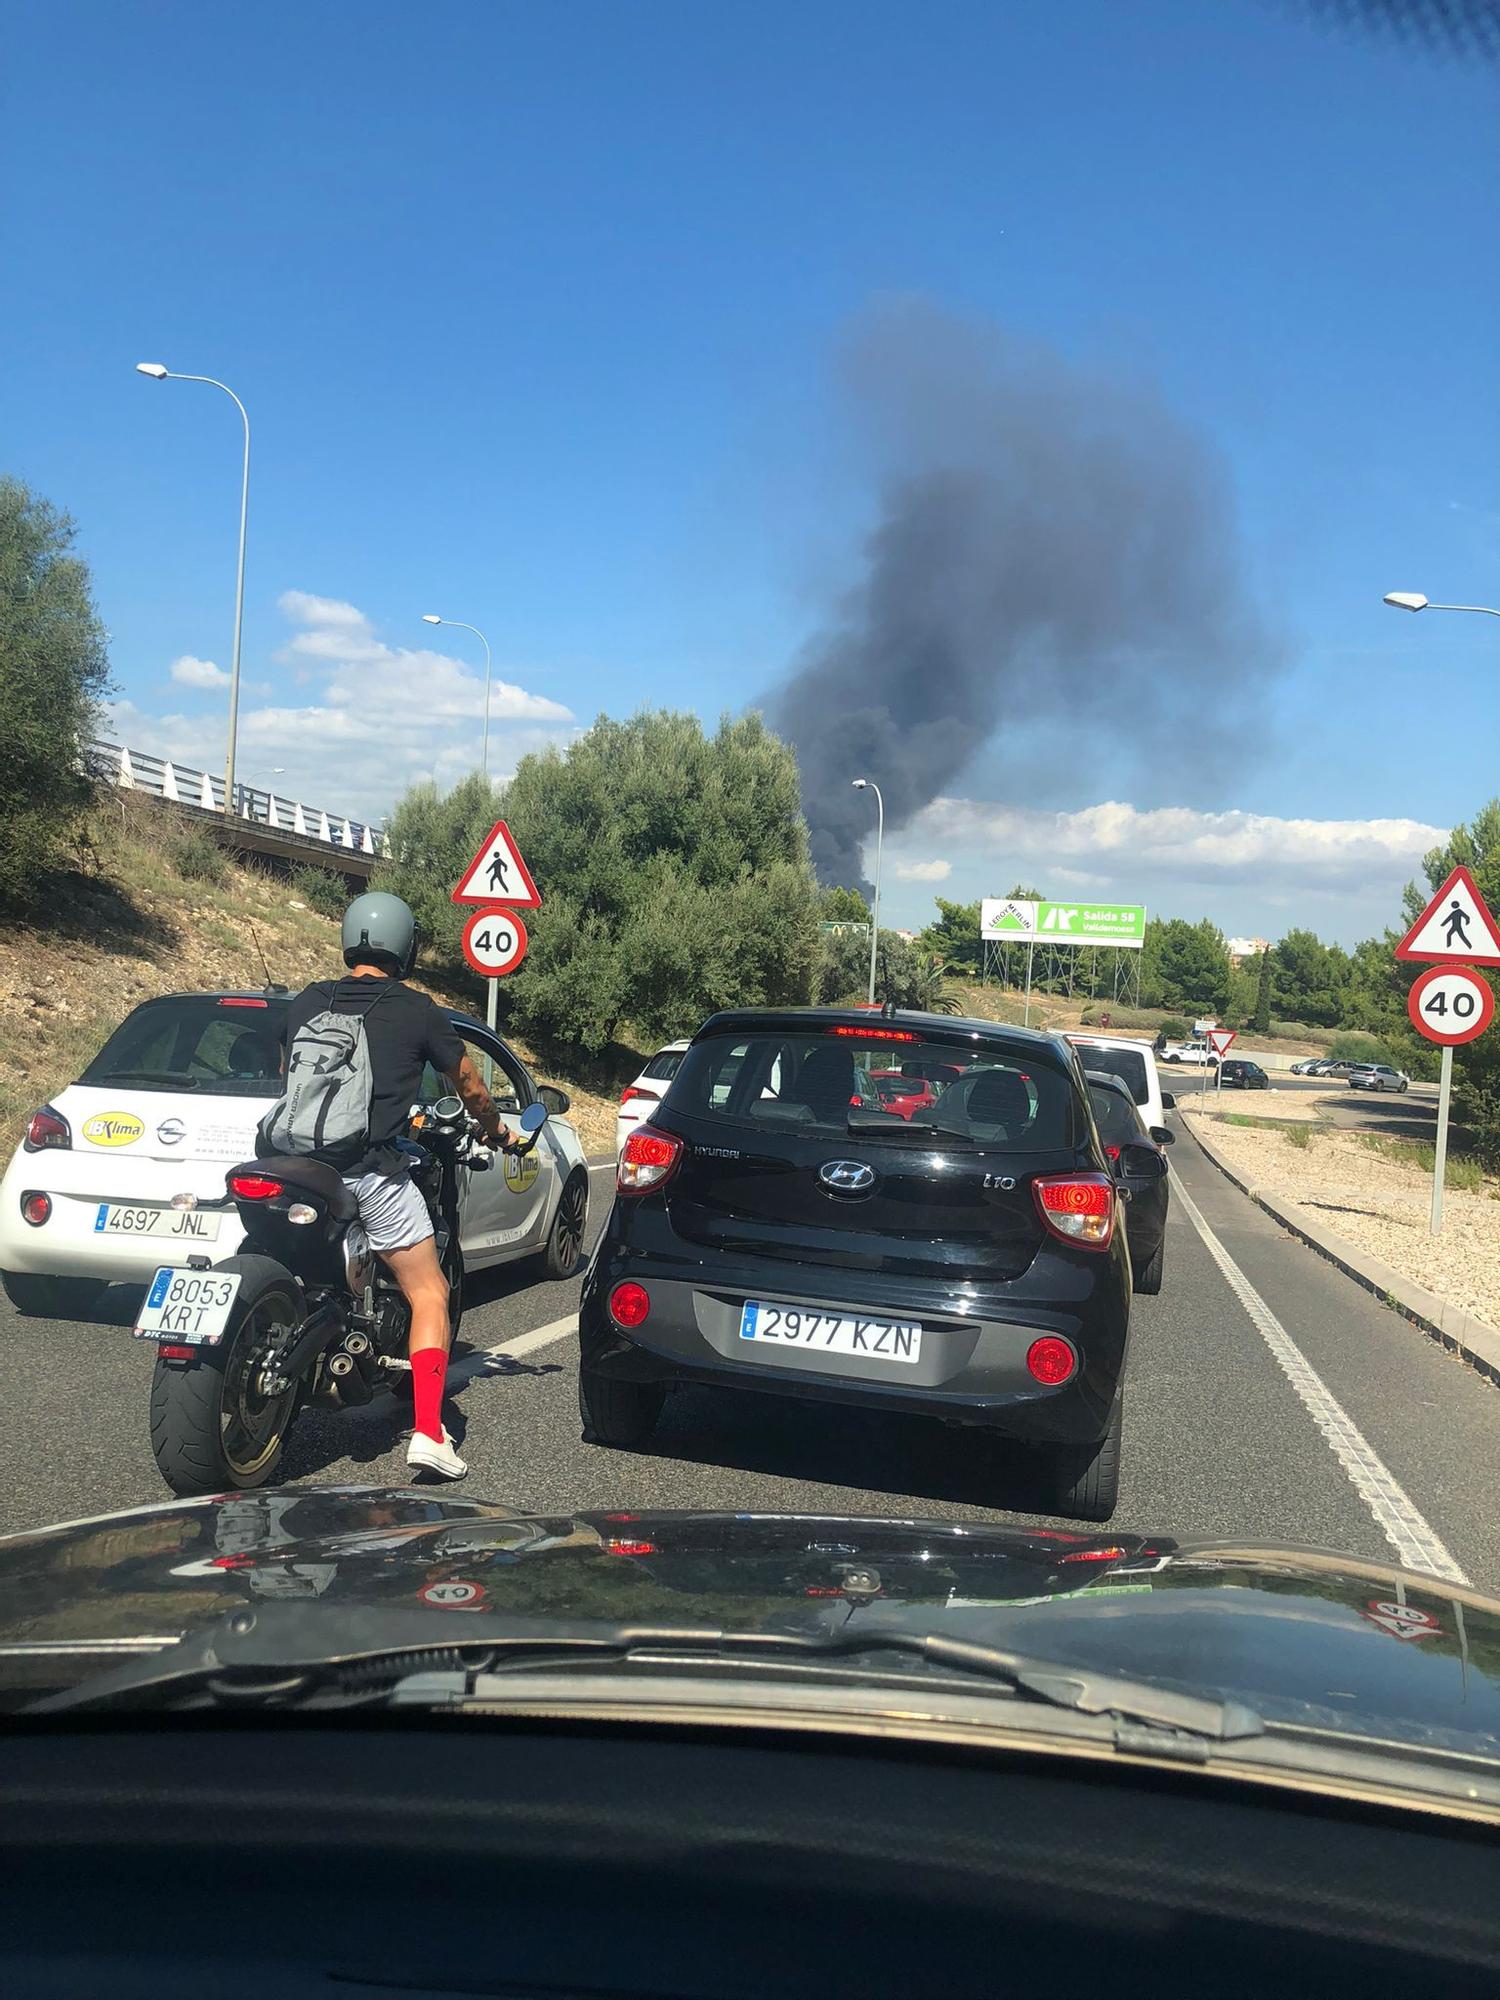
(1300, 1136)
(1174, 1029)
(1357, 1048)
(196, 856)
(321, 890)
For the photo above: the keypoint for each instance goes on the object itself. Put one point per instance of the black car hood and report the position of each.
(1299, 1634)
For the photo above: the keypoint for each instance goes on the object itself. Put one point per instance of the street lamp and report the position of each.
(159, 373)
(1413, 600)
(431, 618)
(869, 785)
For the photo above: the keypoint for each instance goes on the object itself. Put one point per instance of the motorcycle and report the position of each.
(304, 1315)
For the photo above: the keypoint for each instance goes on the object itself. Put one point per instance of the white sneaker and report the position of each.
(427, 1455)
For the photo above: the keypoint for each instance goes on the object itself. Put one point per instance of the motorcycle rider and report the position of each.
(404, 1031)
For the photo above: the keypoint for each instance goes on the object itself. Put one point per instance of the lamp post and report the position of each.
(1413, 600)
(869, 785)
(431, 618)
(159, 373)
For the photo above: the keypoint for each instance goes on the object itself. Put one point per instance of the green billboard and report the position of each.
(1092, 924)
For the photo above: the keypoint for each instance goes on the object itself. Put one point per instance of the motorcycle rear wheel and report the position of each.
(211, 1429)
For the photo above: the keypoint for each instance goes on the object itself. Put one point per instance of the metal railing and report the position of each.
(203, 791)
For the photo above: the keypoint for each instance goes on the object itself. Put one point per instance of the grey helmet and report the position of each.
(380, 930)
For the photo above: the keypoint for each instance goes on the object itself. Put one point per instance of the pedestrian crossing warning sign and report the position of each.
(1456, 925)
(497, 874)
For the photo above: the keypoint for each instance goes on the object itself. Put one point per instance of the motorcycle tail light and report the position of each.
(254, 1187)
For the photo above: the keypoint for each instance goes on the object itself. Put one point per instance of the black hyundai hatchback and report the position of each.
(778, 1226)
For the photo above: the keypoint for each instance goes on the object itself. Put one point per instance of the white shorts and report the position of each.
(391, 1210)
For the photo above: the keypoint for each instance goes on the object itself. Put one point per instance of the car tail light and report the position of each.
(47, 1128)
(629, 1304)
(1111, 1552)
(1050, 1360)
(1080, 1208)
(635, 1091)
(647, 1158)
(254, 1187)
(1112, 1152)
(35, 1207)
(874, 1034)
(234, 1000)
(618, 1548)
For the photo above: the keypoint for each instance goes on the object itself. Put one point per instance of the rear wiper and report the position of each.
(888, 1125)
(149, 1076)
(278, 1656)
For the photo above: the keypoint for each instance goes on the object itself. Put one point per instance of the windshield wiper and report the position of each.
(279, 1656)
(147, 1076)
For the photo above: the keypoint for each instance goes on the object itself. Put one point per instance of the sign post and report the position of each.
(1449, 1004)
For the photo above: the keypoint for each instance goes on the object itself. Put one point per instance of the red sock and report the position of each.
(429, 1370)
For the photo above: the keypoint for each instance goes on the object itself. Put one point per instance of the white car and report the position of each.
(1377, 1076)
(648, 1090)
(1190, 1052)
(124, 1170)
(1134, 1063)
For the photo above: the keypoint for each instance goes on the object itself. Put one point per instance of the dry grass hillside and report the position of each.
(156, 907)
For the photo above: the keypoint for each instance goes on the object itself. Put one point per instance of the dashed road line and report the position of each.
(1395, 1513)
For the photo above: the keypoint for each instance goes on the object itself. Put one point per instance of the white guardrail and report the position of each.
(202, 791)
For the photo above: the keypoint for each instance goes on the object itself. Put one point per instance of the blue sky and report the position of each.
(535, 312)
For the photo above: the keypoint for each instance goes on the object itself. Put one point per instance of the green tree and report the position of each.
(843, 906)
(53, 673)
(675, 879)
(1184, 965)
(955, 936)
(1310, 979)
(1262, 1019)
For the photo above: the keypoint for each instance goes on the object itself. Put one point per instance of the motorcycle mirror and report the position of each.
(533, 1118)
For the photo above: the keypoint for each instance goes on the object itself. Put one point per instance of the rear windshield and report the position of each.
(826, 1083)
(665, 1066)
(1129, 1065)
(1117, 1121)
(231, 1048)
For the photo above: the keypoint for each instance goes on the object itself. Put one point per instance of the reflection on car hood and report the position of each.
(1299, 1634)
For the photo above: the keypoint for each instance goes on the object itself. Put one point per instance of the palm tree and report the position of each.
(928, 996)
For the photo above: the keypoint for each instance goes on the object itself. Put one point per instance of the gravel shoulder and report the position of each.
(1377, 1203)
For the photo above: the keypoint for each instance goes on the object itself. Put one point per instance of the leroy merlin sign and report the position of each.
(1122, 924)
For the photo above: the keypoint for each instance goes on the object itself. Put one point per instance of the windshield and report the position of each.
(785, 1081)
(799, 571)
(230, 1047)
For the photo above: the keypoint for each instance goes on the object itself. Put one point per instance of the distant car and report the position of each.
(905, 1095)
(1309, 1066)
(650, 1087)
(1134, 1155)
(1239, 1073)
(1377, 1076)
(124, 1170)
(1191, 1052)
(1134, 1063)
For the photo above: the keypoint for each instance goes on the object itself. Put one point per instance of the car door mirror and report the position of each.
(1161, 1135)
(1142, 1163)
(533, 1118)
(558, 1102)
(1168, 1101)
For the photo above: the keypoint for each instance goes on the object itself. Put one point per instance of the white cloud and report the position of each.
(1113, 842)
(190, 672)
(923, 871)
(376, 718)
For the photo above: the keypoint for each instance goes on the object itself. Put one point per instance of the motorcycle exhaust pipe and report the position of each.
(356, 1343)
(341, 1365)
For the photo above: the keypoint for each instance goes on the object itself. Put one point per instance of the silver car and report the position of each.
(1377, 1076)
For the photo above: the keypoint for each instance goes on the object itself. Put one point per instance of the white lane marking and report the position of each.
(523, 1343)
(1405, 1527)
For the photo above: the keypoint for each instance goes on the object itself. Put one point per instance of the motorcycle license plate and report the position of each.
(188, 1306)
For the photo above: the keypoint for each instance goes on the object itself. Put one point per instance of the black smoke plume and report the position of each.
(1054, 555)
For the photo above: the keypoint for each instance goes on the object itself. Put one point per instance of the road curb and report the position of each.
(1459, 1331)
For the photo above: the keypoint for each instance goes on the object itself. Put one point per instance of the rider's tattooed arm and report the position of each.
(469, 1084)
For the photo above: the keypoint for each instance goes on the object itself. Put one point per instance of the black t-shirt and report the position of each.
(405, 1031)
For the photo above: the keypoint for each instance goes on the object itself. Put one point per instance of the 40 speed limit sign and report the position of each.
(1451, 1004)
(494, 942)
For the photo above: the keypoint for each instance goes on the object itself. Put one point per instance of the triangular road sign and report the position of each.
(497, 874)
(1455, 925)
(1221, 1038)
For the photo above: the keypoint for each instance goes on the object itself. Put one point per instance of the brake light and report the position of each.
(1050, 1361)
(36, 1208)
(629, 1304)
(1113, 1152)
(171, 1351)
(1079, 1208)
(634, 1092)
(874, 1034)
(647, 1159)
(47, 1128)
(1111, 1553)
(630, 1548)
(234, 1000)
(254, 1187)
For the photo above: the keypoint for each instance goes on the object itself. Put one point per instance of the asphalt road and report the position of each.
(1410, 1114)
(1268, 1400)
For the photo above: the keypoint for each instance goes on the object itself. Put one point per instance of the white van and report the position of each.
(1133, 1063)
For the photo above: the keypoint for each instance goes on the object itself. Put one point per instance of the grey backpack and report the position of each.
(326, 1109)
